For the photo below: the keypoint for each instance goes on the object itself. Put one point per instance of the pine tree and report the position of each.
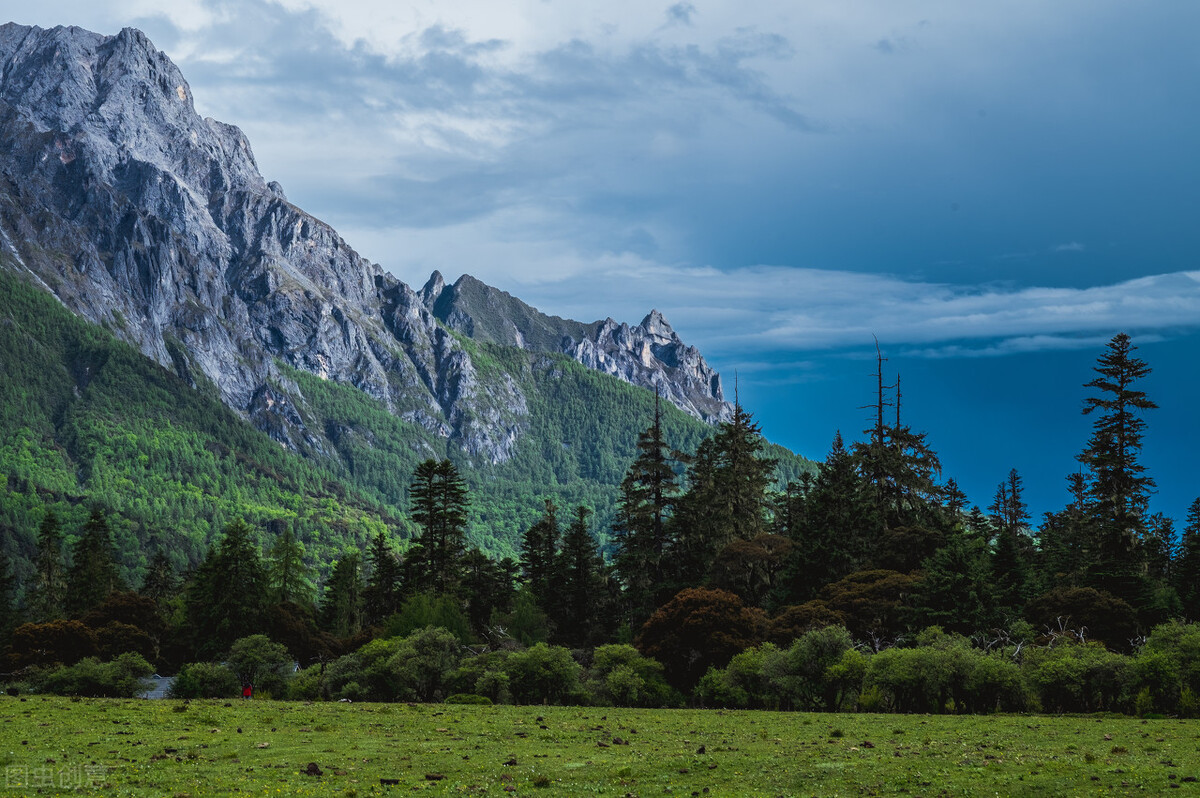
(93, 575)
(229, 592)
(439, 504)
(341, 607)
(47, 599)
(288, 577)
(575, 613)
(728, 497)
(647, 499)
(1010, 557)
(1118, 490)
(834, 523)
(539, 551)
(381, 596)
(160, 582)
(8, 600)
(1185, 574)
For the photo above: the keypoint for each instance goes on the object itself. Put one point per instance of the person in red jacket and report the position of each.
(247, 691)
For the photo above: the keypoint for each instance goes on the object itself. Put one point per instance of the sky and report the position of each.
(991, 190)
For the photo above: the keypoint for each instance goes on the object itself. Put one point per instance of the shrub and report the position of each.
(469, 698)
(621, 676)
(205, 680)
(1077, 678)
(259, 661)
(121, 678)
(543, 674)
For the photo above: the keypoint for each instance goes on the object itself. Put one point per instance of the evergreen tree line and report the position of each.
(707, 561)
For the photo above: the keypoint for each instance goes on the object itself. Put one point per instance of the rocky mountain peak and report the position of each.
(139, 215)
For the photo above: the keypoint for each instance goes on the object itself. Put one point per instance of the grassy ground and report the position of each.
(217, 747)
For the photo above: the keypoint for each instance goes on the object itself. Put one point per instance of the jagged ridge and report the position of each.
(138, 214)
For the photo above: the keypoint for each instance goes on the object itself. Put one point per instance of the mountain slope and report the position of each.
(136, 212)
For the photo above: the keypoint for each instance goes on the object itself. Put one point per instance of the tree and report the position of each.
(699, 629)
(488, 586)
(228, 595)
(47, 599)
(727, 497)
(1119, 489)
(1011, 554)
(1186, 572)
(8, 600)
(288, 577)
(341, 608)
(954, 591)
(93, 573)
(647, 499)
(439, 504)
(832, 528)
(539, 551)
(576, 613)
(381, 596)
(160, 582)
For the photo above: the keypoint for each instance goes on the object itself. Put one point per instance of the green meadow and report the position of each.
(128, 747)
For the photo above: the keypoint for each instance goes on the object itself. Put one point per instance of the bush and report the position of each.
(543, 674)
(205, 680)
(469, 698)
(1077, 678)
(121, 678)
(621, 676)
(800, 675)
(258, 661)
(424, 610)
(742, 683)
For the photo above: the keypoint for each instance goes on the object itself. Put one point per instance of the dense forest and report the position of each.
(871, 582)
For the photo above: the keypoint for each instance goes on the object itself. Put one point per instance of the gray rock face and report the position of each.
(140, 215)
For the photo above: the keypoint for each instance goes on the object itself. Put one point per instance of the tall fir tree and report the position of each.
(341, 606)
(539, 556)
(833, 525)
(575, 613)
(728, 496)
(229, 593)
(9, 613)
(289, 578)
(1185, 573)
(439, 503)
(381, 595)
(160, 582)
(642, 527)
(1012, 550)
(1118, 490)
(93, 575)
(48, 598)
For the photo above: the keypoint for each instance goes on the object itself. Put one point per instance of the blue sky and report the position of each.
(993, 190)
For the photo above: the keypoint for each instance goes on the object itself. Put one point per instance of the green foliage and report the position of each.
(1077, 678)
(425, 610)
(621, 676)
(123, 677)
(227, 597)
(543, 674)
(205, 680)
(258, 661)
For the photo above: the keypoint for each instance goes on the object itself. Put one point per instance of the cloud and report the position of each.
(680, 14)
(1073, 246)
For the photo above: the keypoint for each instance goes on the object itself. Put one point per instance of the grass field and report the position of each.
(127, 747)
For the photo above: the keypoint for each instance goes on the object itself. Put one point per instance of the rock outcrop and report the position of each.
(140, 215)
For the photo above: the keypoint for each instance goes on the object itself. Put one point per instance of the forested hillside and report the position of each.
(89, 420)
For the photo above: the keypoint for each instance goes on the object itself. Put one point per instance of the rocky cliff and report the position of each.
(140, 215)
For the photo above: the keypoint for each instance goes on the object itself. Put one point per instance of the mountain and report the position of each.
(138, 214)
(155, 228)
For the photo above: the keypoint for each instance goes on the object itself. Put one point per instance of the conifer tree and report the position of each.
(288, 577)
(229, 592)
(539, 552)
(341, 607)
(439, 505)
(1012, 551)
(582, 589)
(1118, 489)
(728, 496)
(93, 575)
(381, 595)
(1185, 574)
(647, 499)
(8, 600)
(160, 582)
(47, 599)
